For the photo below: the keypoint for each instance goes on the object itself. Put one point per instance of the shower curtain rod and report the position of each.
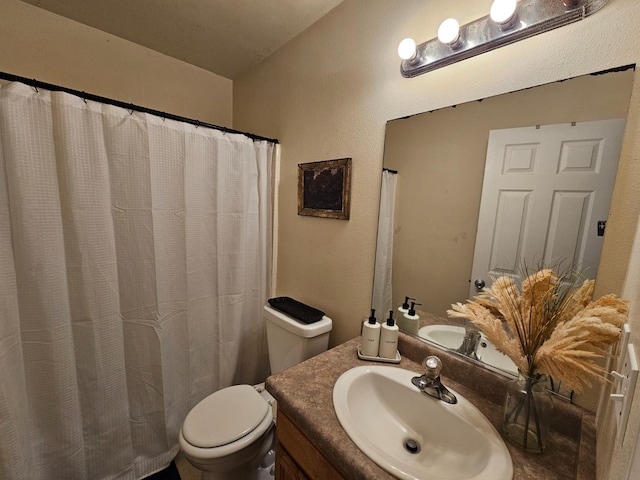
(129, 106)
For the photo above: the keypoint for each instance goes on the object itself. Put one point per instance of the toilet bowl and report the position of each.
(227, 434)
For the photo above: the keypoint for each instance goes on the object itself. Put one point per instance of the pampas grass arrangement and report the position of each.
(548, 325)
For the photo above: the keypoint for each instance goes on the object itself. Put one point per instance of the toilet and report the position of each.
(228, 434)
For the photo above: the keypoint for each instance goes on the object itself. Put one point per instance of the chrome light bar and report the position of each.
(484, 34)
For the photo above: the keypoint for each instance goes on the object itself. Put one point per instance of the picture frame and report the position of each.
(324, 188)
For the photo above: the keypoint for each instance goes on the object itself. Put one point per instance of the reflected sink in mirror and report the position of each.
(447, 336)
(414, 436)
(451, 337)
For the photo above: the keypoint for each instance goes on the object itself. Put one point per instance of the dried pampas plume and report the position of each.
(548, 325)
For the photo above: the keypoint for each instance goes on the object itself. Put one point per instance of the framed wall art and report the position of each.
(324, 188)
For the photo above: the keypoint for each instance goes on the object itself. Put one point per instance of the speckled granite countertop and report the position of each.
(305, 392)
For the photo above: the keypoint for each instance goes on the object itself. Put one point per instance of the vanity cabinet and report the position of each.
(296, 457)
(311, 443)
(286, 467)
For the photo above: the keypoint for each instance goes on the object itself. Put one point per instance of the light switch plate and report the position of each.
(625, 389)
(622, 346)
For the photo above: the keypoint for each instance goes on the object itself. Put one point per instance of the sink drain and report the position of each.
(411, 446)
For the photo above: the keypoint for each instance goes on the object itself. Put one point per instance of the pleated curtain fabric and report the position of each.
(134, 264)
(382, 291)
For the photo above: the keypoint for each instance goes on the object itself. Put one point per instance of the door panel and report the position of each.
(508, 237)
(545, 188)
(566, 238)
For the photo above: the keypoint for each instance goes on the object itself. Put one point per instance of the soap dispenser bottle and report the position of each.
(370, 336)
(411, 322)
(404, 308)
(389, 339)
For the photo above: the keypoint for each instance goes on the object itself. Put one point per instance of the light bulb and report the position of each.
(407, 49)
(502, 11)
(449, 31)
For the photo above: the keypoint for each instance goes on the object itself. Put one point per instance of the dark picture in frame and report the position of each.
(324, 188)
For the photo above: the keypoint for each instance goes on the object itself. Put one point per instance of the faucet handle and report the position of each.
(472, 330)
(432, 366)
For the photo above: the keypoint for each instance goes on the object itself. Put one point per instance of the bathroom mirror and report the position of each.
(439, 157)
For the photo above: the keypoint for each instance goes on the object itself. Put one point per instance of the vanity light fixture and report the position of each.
(407, 49)
(449, 33)
(503, 13)
(508, 22)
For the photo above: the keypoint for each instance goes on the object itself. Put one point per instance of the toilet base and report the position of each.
(268, 465)
(264, 471)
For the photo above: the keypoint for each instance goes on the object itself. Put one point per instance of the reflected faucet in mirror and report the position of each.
(470, 343)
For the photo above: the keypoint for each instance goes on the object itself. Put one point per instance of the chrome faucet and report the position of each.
(430, 384)
(470, 342)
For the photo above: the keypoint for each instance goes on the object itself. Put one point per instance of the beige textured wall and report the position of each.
(329, 93)
(441, 157)
(614, 458)
(37, 44)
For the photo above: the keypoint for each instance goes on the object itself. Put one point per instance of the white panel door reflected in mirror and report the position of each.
(545, 189)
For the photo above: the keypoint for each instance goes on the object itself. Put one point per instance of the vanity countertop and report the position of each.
(305, 392)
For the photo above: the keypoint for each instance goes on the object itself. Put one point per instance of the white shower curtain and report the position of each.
(382, 293)
(134, 264)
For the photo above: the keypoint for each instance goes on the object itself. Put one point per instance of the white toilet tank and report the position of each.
(291, 341)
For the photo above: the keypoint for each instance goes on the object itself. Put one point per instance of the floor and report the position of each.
(179, 469)
(188, 472)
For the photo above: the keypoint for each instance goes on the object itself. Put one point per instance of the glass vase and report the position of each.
(527, 412)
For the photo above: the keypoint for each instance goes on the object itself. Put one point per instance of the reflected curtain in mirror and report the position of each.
(382, 288)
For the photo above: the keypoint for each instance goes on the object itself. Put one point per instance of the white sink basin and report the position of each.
(381, 410)
(450, 336)
(488, 354)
